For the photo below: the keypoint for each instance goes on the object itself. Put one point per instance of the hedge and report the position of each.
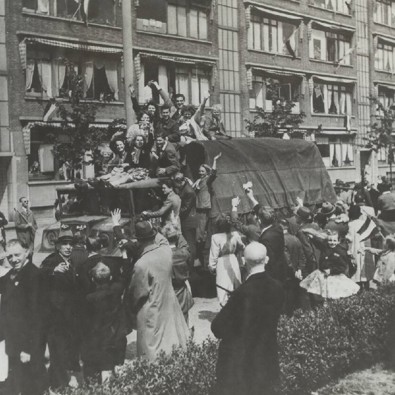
(315, 348)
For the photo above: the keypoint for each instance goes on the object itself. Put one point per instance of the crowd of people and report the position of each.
(78, 306)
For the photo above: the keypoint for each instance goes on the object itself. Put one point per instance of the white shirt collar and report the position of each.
(384, 193)
(264, 229)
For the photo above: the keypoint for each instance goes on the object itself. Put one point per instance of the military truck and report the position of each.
(280, 171)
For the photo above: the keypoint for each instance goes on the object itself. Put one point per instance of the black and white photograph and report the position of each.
(197, 197)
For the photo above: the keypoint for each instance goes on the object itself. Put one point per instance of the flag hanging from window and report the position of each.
(50, 110)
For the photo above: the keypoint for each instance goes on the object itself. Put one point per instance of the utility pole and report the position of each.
(127, 30)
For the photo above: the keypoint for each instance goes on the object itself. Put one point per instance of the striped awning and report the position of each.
(274, 13)
(74, 45)
(177, 59)
(64, 44)
(339, 80)
(333, 27)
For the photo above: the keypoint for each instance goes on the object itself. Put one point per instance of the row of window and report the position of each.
(105, 12)
(328, 98)
(271, 35)
(384, 12)
(339, 6)
(47, 73)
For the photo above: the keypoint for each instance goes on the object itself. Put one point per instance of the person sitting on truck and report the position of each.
(143, 127)
(203, 190)
(213, 126)
(166, 156)
(190, 122)
(120, 154)
(170, 211)
(167, 126)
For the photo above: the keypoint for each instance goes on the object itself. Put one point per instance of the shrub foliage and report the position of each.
(315, 348)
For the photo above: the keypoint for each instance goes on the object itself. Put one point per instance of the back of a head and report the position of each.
(255, 254)
(101, 273)
(223, 224)
(267, 215)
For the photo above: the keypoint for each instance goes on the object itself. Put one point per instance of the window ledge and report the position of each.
(61, 100)
(385, 71)
(384, 25)
(28, 12)
(350, 66)
(315, 114)
(341, 168)
(331, 11)
(176, 37)
(254, 111)
(48, 182)
(274, 54)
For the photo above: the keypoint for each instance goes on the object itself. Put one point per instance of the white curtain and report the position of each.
(112, 77)
(29, 73)
(45, 73)
(59, 68)
(43, 6)
(87, 72)
(326, 98)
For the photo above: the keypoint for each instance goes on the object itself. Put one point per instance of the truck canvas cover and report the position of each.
(280, 171)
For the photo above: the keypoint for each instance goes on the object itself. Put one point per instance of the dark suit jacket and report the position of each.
(20, 312)
(247, 326)
(273, 239)
(170, 129)
(62, 291)
(188, 207)
(168, 159)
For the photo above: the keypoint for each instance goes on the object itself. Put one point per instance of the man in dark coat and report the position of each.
(187, 212)
(21, 322)
(168, 127)
(247, 326)
(63, 296)
(272, 237)
(167, 157)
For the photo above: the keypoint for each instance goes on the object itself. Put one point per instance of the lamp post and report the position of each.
(127, 30)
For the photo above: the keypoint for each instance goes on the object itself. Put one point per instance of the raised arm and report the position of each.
(198, 114)
(135, 103)
(163, 94)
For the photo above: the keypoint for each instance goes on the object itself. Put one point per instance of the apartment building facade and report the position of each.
(328, 56)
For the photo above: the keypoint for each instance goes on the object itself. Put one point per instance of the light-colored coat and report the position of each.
(160, 322)
(24, 232)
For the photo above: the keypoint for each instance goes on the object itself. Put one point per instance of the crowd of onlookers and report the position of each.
(78, 306)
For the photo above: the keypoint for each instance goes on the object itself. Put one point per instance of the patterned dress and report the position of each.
(224, 247)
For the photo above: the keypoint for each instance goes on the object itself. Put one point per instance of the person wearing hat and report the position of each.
(160, 321)
(63, 296)
(21, 322)
(304, 219)
(181, 258)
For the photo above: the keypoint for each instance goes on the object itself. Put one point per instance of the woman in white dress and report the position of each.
(224, 246)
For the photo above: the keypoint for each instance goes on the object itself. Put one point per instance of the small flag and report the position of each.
(367, 229)
(49, 111)
(291, 43)
(343, 58)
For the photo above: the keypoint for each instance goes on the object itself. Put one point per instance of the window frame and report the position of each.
(326, 88)
(262, 24)
(188, 6)
(78, 58)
